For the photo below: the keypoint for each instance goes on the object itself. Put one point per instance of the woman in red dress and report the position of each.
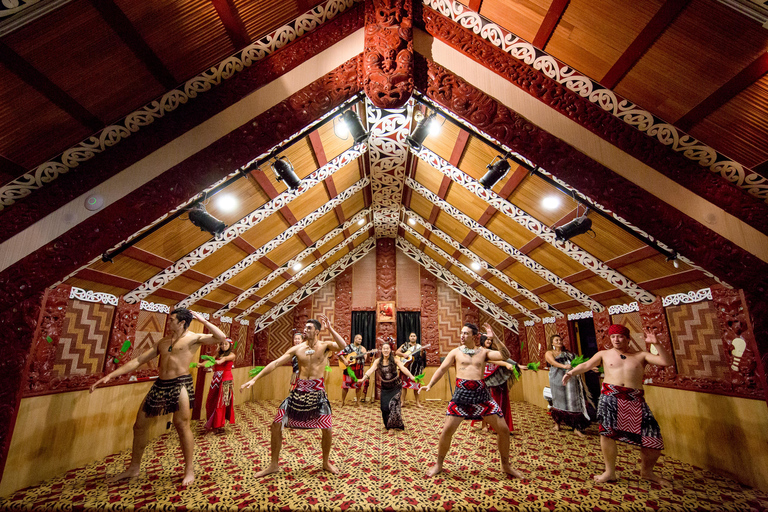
(220, 405)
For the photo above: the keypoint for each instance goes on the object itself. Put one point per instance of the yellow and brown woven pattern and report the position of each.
(384, 470)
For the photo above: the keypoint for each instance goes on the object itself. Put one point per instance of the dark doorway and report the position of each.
(364, 323)
(585, 329)
(408, 322)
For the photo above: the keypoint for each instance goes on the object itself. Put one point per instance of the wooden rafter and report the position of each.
(549, 24)
(233, 23)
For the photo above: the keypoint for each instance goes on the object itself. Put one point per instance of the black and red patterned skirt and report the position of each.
(623, 415)
(307, 406)
(472, 401)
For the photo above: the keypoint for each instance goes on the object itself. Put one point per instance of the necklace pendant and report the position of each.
(309, 352)
(468, 351)
(170, 347)
(622, 356)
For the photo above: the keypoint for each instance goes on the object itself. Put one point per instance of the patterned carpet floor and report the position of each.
(383, 470)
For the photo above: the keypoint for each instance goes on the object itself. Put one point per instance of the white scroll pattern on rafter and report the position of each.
(296, 259)
(387, 154)
(91, 296)
(529, 323)
(154, 307)
(245, 322)
(687, 298)
(623, 308)
(606, 99)
(548, 320)
(580, 316)
(235, 230)
(226, 319)
(471, 273)
(314, 285)
(483, 264)
(273, 244)
(507, 248)
(567, 247)
(457, 284)
(170, 101)
(306, 270)
(204, 315)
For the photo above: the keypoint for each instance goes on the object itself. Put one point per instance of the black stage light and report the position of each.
(577, 226)
(496, 171)
(284, 172)
(355, 126)
(420, 133)
(205, 221)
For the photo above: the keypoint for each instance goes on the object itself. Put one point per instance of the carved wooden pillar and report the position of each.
(524, 341)
(250, 355)
(123, 329)
(261, 346)
(569, 344)
(653, 316)
(540, 340)
(430, 334)
(602, 322)
(386, 284)
(469, 312)
(512, 342)
(301, 313)
(388, 53)
(739, 344)
(343, 306)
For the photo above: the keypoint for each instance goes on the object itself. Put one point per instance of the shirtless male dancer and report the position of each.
(622, 413)
(471, 400)
(307, 405)
(173, 392)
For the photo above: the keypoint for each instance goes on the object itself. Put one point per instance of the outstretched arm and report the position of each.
(593, 362)
(550, 358)
(128, 367)
(216, 335)
(489, 334)
(447, 363)
(404, 370)
(229, 357)
(340, 343)
(664, 358)
(370, 370)
(283, 359)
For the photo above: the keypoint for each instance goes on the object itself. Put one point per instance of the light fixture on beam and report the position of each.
(283, 169)
(496, 171)
(577, 226)
(205, 221)
(416, 139)
(355, 126)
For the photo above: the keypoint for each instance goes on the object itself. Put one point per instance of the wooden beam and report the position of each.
(233, 23)
(38, 81)
(120, 23)
(549, 24)
(475, 5)
(10, 170)
(458, 148)
(761, 168)
(747, 77)
(658, 24)
(536, 242)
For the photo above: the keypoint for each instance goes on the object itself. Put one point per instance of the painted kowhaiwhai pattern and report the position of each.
(82, 347)
(697, 340)
(280, 336)
(450, 319)
(149, 330)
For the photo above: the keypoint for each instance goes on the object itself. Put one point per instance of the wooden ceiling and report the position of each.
(72, 68)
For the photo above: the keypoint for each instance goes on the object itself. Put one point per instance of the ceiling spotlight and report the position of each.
(226, 203)
(361, 221)
(284, 171)
(296, 266)
(673, 259)
(550, 202)
(420, 133)
(435, 125)
(496, 171)
(412, 221)
(475, 266)
(205, 221)
(355, 126)
(577, 226)
(340, 128)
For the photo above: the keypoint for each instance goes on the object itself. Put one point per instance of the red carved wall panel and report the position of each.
(602, 321)
(561, 327)
(343, 307)
(388, 53)
(512, 342)
(652, 316)
(124, 328)
(386, 284)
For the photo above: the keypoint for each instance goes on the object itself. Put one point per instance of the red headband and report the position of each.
(618, 329)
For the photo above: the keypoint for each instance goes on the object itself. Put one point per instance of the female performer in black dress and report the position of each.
(391, 387)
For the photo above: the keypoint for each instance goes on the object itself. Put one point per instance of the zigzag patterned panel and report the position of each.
(697, 340)
(450, 319)
(82, 347)
(149, 330)
(280, 337)
(634, 323)
(498, 329)
(534, 344)
(550, 330)
(324, 301)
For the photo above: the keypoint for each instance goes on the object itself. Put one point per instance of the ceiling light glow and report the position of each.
(412, 221)
(296, 266)
(361, 222)
(550, 202)
(475, 266)
(226, 203)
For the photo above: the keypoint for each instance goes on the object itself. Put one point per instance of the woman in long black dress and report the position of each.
(391, 386)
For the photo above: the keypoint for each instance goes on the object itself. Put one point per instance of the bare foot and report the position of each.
(511, 471)
(605, 477)
(578, 433)
(331, 468)
(125, 475)
(189, 477)
(268, 470)
(556, 427)
(418, 404)
(437, 468)
(342, 404)
(653, 477)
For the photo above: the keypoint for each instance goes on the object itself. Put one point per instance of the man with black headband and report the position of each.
(472, 399)
(622, 413)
